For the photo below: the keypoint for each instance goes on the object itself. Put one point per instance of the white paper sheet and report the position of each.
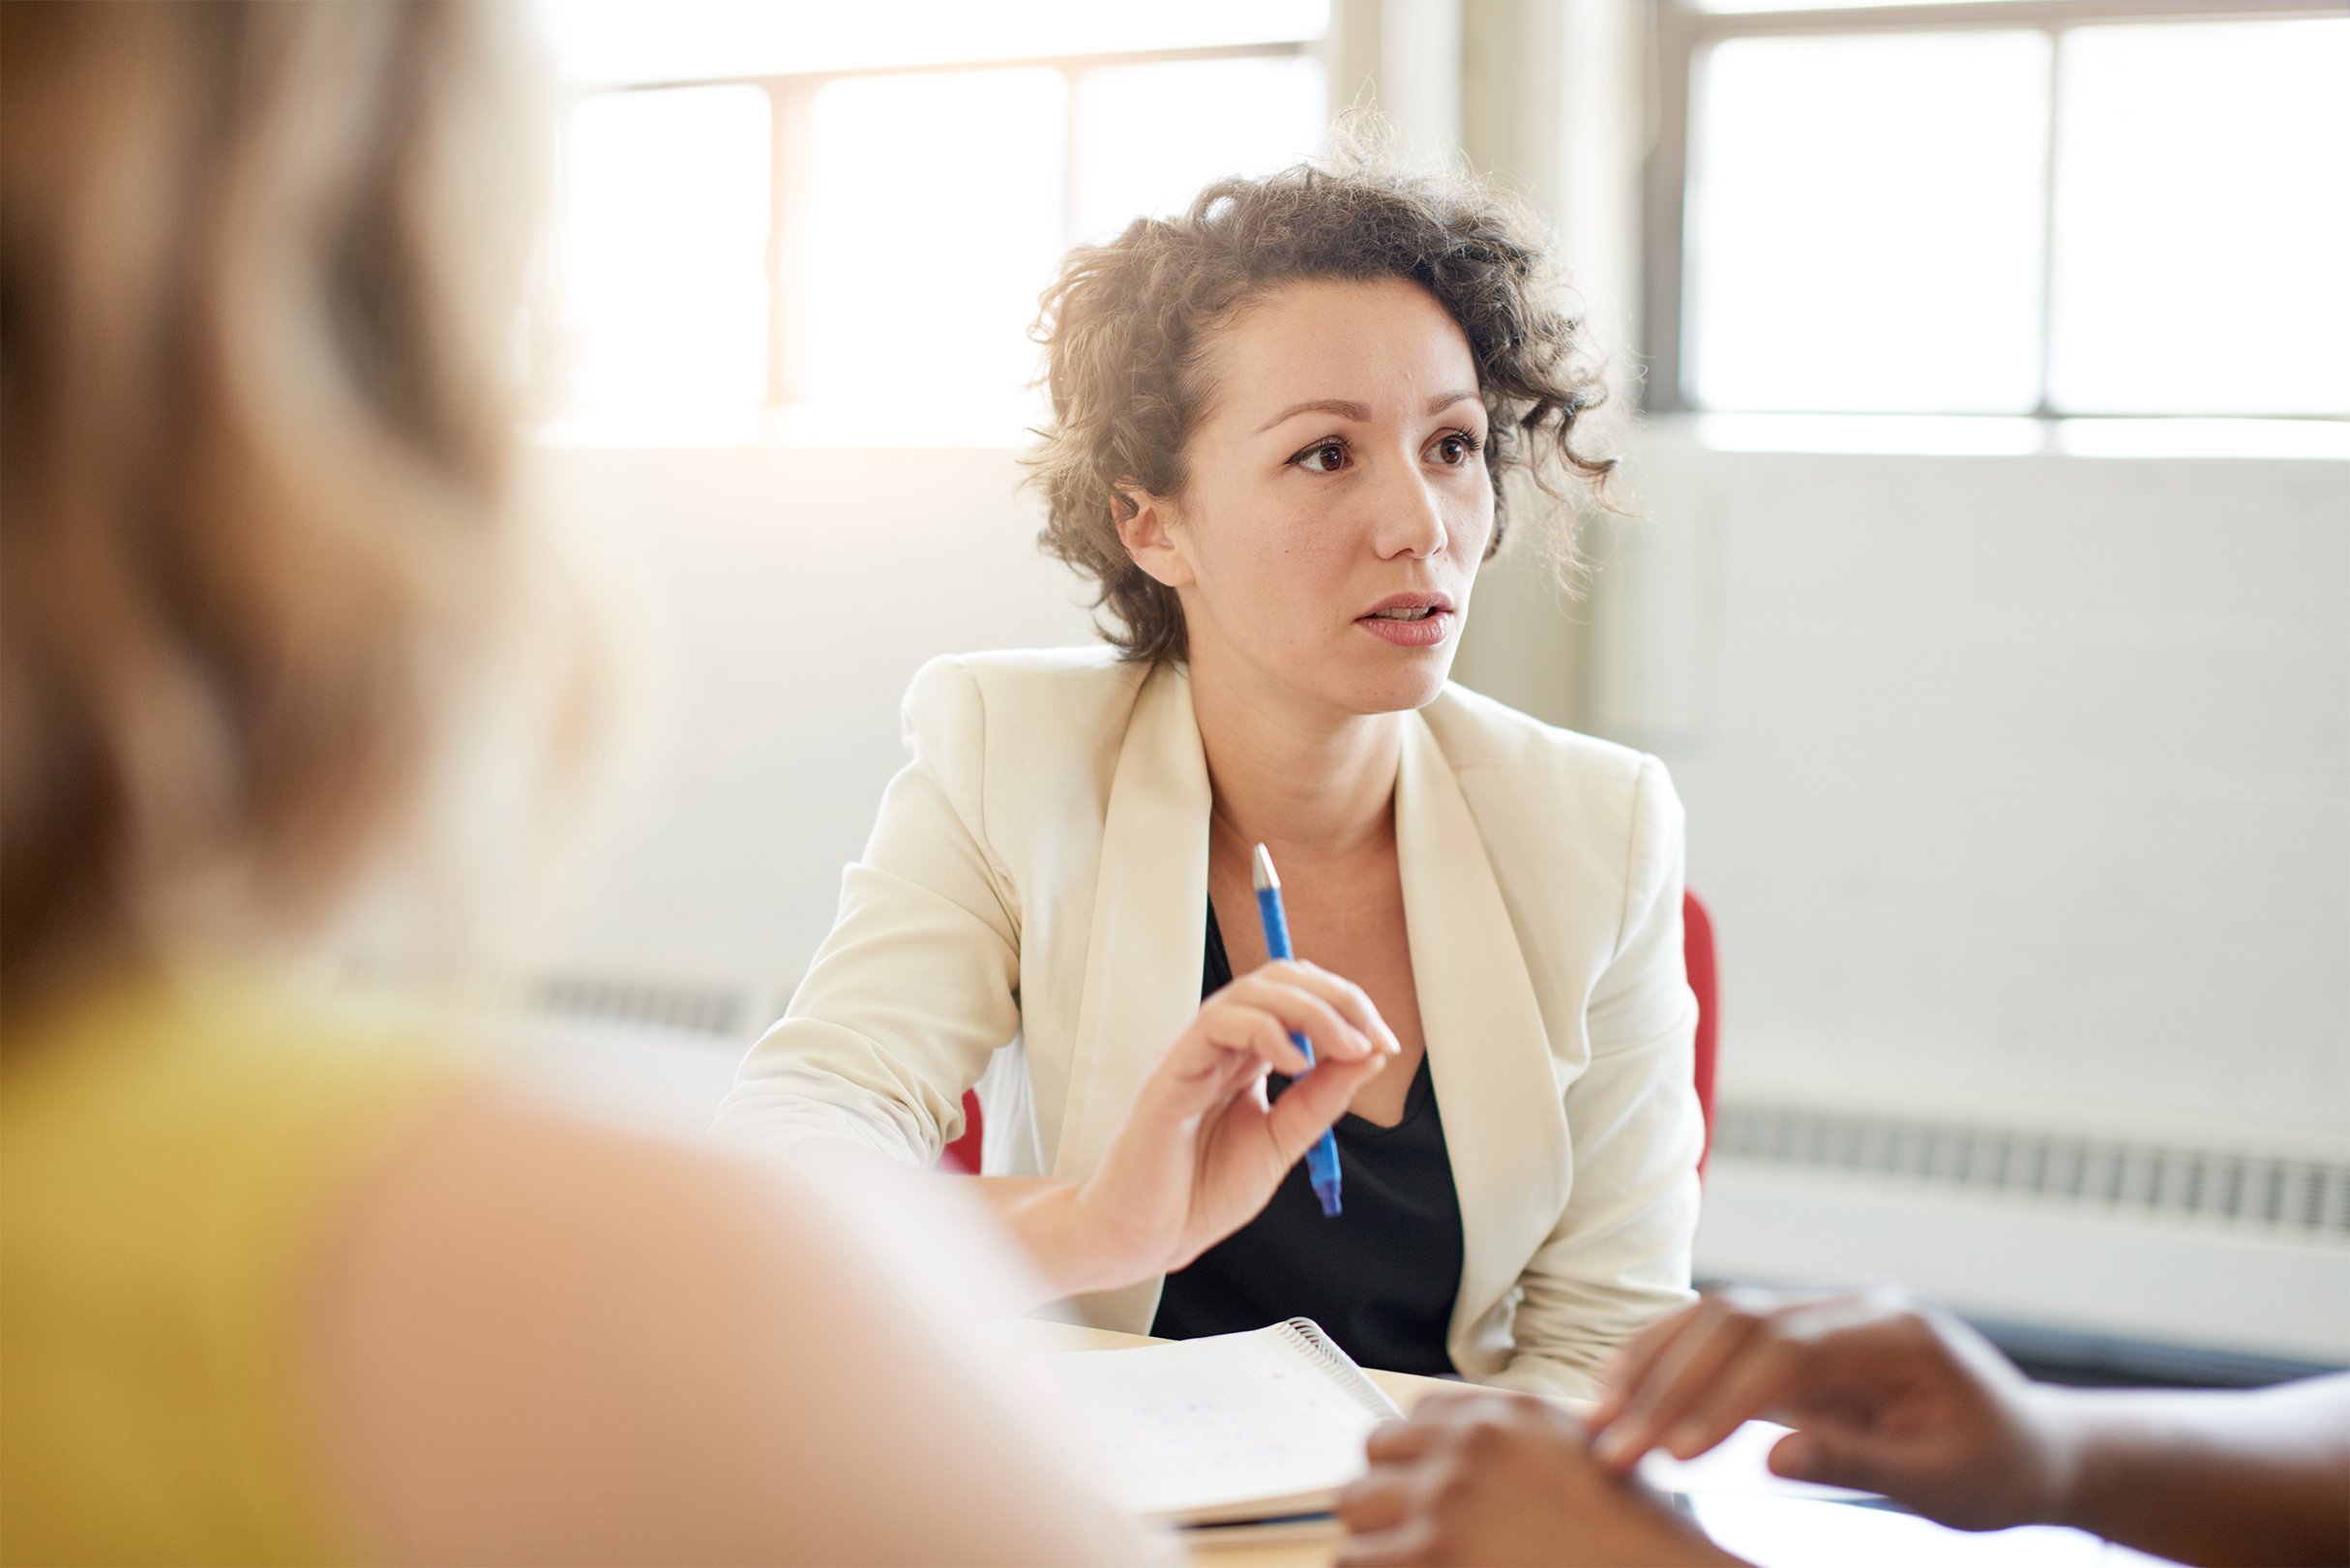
(1176, 1429)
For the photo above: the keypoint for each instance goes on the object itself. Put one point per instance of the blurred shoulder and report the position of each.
(545, 1339)
(495, 1187)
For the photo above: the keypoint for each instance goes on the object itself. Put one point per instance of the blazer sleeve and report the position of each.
(917, 985)
(1619, 1258)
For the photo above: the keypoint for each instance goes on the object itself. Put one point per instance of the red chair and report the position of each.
(1696, 956)
(963, 1154)
(1696, 959)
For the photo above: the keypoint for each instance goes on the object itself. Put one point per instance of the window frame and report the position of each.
(1681, 31)
(790, 119)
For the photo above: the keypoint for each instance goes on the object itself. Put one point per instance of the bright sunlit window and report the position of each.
(1864, 222)
(937, 217)
(1871, 224)
(1246, 116)
(662, 267)
(604, 43)
(2202, 219)
(827, 248)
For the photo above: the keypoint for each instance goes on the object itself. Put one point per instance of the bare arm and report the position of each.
(1887, 1396)
(543, 1341)
(2211, 1477)
(1893, 1396)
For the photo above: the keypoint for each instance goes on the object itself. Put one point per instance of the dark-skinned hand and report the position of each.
(1495, 1479)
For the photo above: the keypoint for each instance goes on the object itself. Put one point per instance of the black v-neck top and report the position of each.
(1380, 1278)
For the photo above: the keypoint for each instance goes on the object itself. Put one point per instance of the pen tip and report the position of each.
(1265, 875)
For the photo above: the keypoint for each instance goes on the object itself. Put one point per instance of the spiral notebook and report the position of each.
(1252, 1426)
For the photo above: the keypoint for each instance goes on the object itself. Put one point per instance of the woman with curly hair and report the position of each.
(1281, 425)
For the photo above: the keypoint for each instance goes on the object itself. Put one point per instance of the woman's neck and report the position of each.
(1317, 784)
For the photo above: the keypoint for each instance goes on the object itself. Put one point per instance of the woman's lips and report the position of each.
(1429, 630)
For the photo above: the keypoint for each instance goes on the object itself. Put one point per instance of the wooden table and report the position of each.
(1315, 1549)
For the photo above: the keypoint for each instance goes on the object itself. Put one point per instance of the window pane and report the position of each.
(2201, 219)
(664, 268)
(935, 225)
(1237, 117)
(1864, 222)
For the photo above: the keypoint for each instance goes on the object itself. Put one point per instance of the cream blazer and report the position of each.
(1030, 912)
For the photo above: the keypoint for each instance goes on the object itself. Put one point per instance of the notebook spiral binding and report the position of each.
(1305, 1336)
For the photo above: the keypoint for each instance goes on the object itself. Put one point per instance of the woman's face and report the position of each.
(1337, 501)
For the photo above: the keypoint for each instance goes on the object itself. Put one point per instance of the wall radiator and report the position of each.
(2286, 1198)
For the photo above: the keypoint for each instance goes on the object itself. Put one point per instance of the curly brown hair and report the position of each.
(1125, 325)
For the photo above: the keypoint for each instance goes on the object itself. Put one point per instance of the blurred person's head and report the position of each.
(1285, 418)
(259, 268)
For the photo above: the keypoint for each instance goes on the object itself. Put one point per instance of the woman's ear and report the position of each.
(1154, 536)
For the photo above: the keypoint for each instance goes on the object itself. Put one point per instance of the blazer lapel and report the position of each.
(1142, 982)
(1143, 957)
(1488, 1053)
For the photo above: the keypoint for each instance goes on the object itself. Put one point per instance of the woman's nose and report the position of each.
(1410, 517)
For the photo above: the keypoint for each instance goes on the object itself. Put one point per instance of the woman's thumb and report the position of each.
(1809, 1456)
(1312, 1103)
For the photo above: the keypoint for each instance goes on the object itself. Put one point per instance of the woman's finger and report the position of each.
(1716, 1334)
(1374, 1501)
(1393, 1442)
(1829, 1460)
(1302, 1009)
(1647, 1371)
(1348, 999)
(1628, 1368)
(1760, 1378)
(1355, 1021)
(1400, 1545)
(1309, 1105)
(1242, 1025)
(1447, 1403)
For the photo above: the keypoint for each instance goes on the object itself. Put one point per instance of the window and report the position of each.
(2095, 214)
(851, 254)
(663, 272)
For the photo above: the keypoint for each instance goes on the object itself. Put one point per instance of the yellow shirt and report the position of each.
(170, 1164)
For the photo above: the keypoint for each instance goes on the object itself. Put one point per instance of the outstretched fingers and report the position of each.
(1672, 1396)
(1627, 1372)
(1758, 1380)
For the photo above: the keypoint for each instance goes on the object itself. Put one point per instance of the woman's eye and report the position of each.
(1326, 458)
(1454, 449)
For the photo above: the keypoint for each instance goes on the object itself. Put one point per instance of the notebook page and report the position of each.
(1193, 1426)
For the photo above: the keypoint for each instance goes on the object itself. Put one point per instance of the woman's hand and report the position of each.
(1885, 1393)
(1504, 1478)
(1201, 1150)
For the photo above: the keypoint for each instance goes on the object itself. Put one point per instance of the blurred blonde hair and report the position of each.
(258, 270)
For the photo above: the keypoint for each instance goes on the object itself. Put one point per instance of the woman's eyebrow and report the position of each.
(1360, 413)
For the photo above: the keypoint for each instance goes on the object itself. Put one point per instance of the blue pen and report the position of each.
(1322, 1160)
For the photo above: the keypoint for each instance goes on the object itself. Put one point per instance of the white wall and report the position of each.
(2020, 786)
(778, 602)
